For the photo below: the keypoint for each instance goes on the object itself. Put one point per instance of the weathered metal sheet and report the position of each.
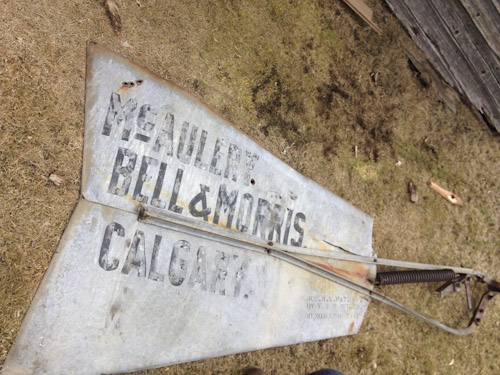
(123, 294)
(189, 160)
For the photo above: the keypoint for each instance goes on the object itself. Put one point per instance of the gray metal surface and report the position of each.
(300, 257)
(123, 294)
(190, 150)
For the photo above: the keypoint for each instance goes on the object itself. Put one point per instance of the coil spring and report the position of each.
(420, 276)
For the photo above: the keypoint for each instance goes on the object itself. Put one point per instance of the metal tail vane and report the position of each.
(190, 241)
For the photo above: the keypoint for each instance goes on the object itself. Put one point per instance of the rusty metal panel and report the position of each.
(123, 294)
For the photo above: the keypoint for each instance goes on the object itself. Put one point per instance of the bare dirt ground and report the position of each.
(296, 77)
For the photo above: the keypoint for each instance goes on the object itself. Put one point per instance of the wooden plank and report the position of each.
(414, 29)
(486, 17)
(446, 93)
(444, 30)
(459, 63)
(478, 39)
(438, 34)
(365, 12)
(472, 46)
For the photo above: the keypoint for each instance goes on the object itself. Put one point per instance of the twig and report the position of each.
(448, 195)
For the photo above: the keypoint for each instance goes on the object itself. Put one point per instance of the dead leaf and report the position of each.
(57, 180)
(114, 15)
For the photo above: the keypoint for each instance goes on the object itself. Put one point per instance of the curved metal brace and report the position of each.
(292, 255)
(493, 286)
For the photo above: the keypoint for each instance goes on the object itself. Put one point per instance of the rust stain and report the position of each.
(351, 327)
(127, 85)
(359, 271)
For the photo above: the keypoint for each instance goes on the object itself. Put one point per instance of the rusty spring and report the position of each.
(424, 276)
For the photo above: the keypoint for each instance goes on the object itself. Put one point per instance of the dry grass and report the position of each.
(295, 76)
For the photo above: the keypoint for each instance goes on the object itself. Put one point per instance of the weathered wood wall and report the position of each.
(461, 38)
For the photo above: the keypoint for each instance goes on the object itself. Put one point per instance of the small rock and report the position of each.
(412, 190)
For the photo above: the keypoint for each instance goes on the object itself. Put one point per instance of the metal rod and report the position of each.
(290, 255)
(206, 230)
(365, 291)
